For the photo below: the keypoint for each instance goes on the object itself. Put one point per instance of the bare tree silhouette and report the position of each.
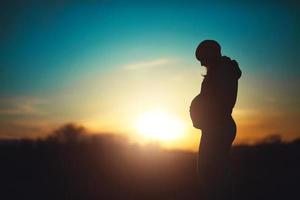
(68, 133)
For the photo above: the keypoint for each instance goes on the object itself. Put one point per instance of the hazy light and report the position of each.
(160, 125)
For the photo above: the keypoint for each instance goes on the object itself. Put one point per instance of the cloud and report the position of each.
(21, 106)
(147, 64)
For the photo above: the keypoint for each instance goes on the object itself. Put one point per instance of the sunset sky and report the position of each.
(104, 64)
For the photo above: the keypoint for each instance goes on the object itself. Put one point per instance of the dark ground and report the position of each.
(107, 167)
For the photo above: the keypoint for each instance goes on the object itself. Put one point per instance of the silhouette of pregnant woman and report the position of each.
(211, 112)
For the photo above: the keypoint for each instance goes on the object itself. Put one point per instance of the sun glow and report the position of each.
(159, 125)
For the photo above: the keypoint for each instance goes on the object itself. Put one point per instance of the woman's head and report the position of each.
(208, 52)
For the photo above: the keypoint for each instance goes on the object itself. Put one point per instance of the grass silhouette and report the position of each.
(70, 164)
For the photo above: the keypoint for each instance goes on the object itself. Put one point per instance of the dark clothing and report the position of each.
(217, 97)
(214, 163)
(218, 93)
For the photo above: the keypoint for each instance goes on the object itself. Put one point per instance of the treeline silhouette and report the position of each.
(71, 164)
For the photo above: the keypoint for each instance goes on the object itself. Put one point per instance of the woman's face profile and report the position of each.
(208, 52)
(205, 62)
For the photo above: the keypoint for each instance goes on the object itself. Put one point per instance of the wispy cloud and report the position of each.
(21, 106)
(147, 64)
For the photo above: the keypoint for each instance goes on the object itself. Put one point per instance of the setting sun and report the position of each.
(159, 125)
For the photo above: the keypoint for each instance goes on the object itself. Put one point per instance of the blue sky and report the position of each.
(49, 42)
